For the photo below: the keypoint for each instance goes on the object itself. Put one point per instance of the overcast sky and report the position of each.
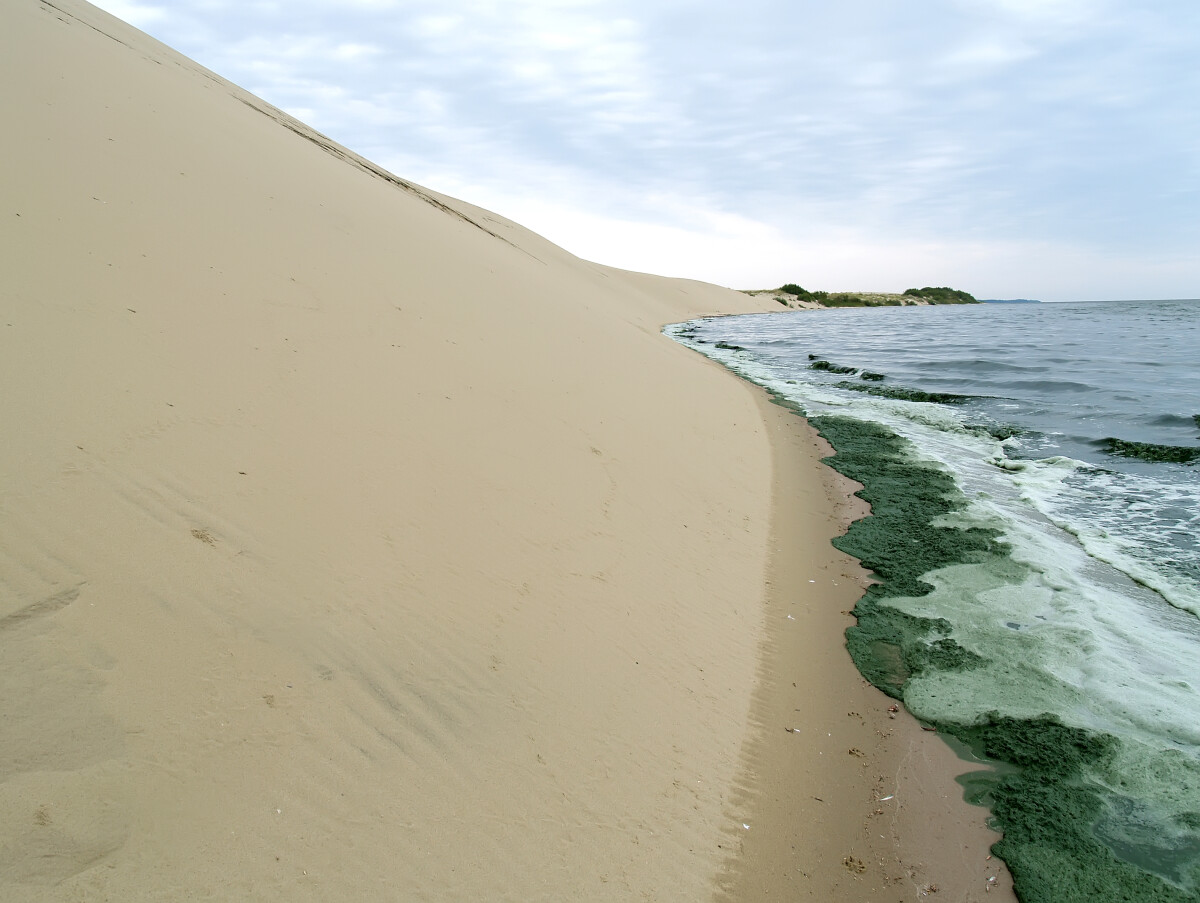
(1013, 148)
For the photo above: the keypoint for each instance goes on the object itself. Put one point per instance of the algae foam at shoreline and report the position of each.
(1036, 597)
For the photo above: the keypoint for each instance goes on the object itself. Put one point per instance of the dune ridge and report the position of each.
(355, 542)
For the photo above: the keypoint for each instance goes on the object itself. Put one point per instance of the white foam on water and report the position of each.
(1147, 528)
(1064, 638)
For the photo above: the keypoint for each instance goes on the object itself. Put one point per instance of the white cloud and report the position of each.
(1057, 12)
(349, 51)
(437, 25)
(988, 53)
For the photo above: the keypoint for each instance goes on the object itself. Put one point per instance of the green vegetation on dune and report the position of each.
(852, 299)
(927, 295)
(802, 294)
(941, 295)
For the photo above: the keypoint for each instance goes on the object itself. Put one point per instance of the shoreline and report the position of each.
(871, 811)
(1051, 789)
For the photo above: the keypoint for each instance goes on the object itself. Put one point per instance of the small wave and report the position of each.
(1048, 386)
(1176, 420)
(983, 366)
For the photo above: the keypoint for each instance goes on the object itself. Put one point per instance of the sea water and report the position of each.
(1073, 432)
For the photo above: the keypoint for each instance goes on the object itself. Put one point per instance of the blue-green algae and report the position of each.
(903, 393)
(1003, 432)
(831, 368)
(1045, 795)
(1150, 451)
(900, 543)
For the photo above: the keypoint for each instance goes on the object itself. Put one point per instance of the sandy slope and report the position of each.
(348, 545)
(355, 543)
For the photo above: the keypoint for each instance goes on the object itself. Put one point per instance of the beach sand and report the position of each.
(357, 543)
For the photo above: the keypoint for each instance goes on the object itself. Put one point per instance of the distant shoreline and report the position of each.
(836, 300)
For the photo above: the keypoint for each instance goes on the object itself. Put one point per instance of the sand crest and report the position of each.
(355, 543)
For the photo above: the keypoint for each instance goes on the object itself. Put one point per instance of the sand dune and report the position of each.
(355, 543)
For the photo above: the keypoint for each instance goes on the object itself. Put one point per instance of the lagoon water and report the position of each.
(1100, 624)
